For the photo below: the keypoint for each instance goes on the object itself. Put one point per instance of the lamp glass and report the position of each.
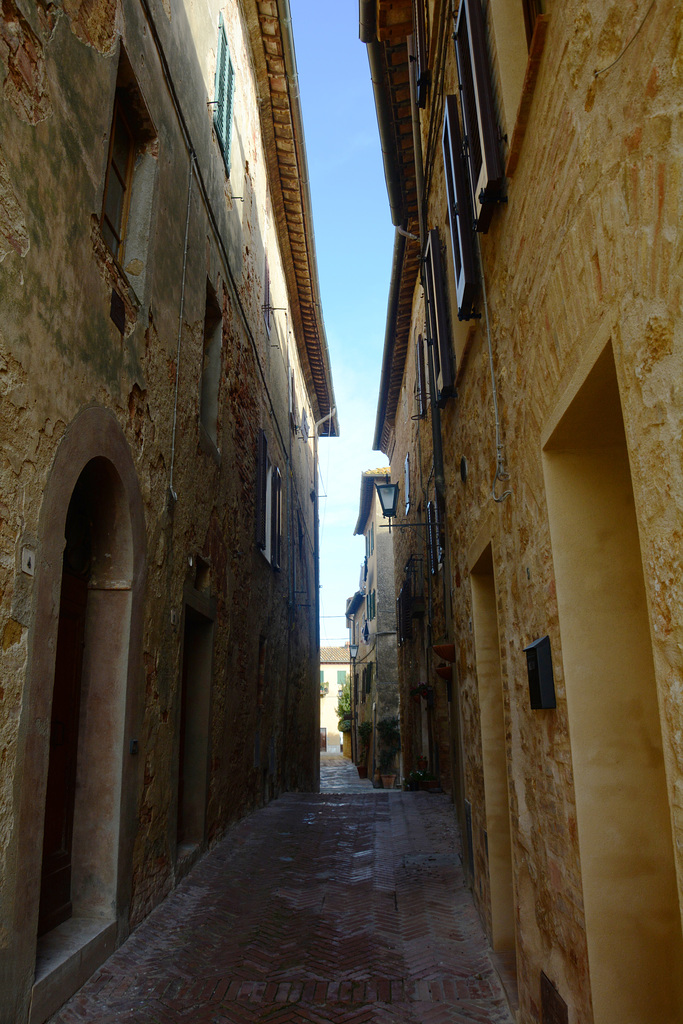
(388, 499)
(353, 650)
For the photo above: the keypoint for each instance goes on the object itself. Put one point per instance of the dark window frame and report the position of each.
(125, 179)
(421, 377)
(438, 320)
(423, 75)
(459, 211)
(482, 142)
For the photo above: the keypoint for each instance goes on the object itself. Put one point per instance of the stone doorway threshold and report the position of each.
(65, 958)
(505, 965)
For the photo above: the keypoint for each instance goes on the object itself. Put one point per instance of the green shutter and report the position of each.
(224, 93)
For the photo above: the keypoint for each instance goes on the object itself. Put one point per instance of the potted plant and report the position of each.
(390, 744)
(364, 734)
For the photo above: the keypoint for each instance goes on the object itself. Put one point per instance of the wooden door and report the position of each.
(55, 891)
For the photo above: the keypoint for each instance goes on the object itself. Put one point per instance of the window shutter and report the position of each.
(459, 211)
(266, 295)
(404, 614)
(292, 400)
(532, 9)
(224, 91)
(420, 376)
(261, 486)
(441, 342)
(432, 538)
(276, 519)
(368, 681)
(478, 113)
(422, 73)
(406, 484)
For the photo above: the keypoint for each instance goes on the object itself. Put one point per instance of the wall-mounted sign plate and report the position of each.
(539, 664)
(28, 561)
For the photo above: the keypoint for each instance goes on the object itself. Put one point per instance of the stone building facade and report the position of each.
(533, 161)
(164, 377)
(334, 674)
(371, 618)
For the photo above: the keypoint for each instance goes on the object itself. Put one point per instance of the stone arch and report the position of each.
(95, 455)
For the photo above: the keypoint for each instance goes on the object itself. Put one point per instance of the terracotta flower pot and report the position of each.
(362, 771)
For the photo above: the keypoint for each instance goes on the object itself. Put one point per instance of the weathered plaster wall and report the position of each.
(60, 352)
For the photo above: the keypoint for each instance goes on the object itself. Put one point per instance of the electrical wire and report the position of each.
(617, 59)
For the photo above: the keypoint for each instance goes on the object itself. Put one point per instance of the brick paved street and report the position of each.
(331, 907)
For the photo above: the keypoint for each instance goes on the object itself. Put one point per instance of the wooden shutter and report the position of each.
(422, 72)
(482, 144)
(266, 295)
(459, 211)
(404, 613)
(261, 489)
(420, 376)
(223, 94)
(432, 538)
(532, 9)
(275, 518)
(406, 478)
(293, 415)
(438, 321)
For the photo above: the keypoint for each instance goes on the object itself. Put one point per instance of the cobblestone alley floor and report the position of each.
(344, 906)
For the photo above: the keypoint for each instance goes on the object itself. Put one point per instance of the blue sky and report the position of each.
(354, 241)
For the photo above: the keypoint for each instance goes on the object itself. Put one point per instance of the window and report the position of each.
(435, 538)
(276, 517)
(438, 322)
(372, 538)
(532, 9)
(211, 365)
(406, 471)
(459, 211)
(422, 73)
(267, 307)
(117, 185)
(268, 505)
(293, 415)
(224, 91)
(129, 178)
(404, 613)
(420, 377)
(482, 146)
(341, 677)
(324, 687)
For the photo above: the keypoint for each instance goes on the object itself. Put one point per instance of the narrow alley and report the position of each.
(348, 905)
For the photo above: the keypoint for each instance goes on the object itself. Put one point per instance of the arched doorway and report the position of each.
(78, 875)
(93, 484)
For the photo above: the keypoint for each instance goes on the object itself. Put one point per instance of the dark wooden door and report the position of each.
(55, 891)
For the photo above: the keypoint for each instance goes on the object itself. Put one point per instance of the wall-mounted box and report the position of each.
(539, 664)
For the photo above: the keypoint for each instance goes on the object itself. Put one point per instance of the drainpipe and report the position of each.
(172, 493)
(316, 547)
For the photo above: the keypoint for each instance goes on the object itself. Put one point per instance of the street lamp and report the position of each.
(388, 499)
